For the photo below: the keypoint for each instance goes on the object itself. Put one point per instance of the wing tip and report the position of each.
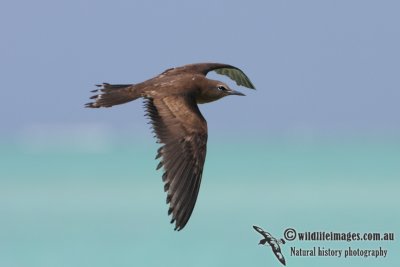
(237, 75)
(252, 86)
(256, 227)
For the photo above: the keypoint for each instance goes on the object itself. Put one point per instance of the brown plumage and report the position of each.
(171, 100)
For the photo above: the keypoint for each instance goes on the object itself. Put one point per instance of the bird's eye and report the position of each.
(222, 88)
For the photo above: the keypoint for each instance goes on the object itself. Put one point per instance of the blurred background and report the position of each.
(316, 147)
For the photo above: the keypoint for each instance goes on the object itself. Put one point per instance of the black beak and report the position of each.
(233, 92)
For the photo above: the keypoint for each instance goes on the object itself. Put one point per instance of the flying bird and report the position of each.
(273, 242)
(170, 101)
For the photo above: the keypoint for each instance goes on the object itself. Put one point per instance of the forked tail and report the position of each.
(113, 94)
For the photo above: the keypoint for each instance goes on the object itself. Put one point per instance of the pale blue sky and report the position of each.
(319, 66)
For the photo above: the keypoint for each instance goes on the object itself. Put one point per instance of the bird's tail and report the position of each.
(109, 95)
(262, 241)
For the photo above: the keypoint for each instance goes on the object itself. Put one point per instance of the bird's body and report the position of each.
(171, 100)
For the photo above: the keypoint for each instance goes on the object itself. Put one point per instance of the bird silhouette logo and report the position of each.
(273, 242)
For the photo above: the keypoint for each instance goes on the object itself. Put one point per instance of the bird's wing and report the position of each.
(265, 234)
(180, 127)
(237, 75)
(278, 253)
(232, 72)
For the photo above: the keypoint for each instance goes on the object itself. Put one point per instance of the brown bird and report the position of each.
(171, 100)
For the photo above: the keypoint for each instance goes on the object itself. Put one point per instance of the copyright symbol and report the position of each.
(290, 234)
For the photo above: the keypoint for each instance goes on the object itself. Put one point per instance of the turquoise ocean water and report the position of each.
(104, 205)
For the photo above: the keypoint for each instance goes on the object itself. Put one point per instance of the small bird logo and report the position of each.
(273, 242)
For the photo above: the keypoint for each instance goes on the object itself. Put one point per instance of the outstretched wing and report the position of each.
(265, 234)
(180, 127)
(277, 251)
(232, 72)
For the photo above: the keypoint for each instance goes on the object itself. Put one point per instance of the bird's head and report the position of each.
(224, 90)
(215, 90)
